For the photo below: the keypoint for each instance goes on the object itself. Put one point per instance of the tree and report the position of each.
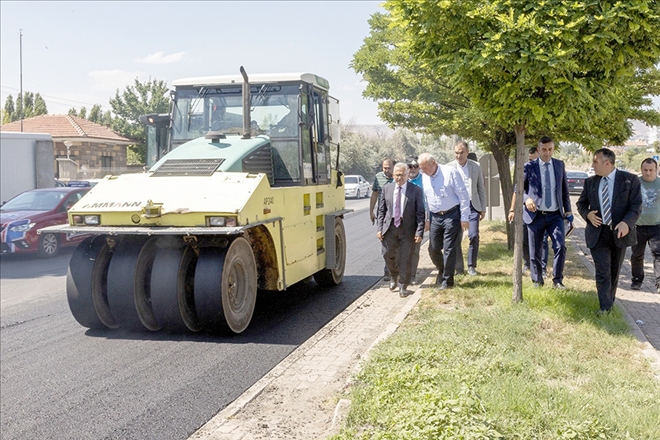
(39, 106)
(411, 94)
(136, 100)
(533, 66)
(82, 113)
(96, 114)
(33, 105)
(8, 111)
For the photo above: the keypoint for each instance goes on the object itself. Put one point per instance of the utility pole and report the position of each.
(20, 33)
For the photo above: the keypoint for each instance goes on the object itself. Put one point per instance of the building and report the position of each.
(82, 149)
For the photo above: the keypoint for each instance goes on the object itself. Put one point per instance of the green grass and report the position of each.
(470, 364)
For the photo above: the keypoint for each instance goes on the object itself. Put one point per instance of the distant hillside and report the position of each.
(640, 130)
(380, 130)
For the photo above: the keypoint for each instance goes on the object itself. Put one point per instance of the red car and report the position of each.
(22, 216)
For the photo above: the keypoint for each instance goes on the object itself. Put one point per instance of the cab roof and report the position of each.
(258, 78)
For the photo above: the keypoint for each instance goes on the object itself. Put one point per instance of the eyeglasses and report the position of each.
(413, 166)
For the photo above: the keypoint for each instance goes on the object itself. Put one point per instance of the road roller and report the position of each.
(244, 195)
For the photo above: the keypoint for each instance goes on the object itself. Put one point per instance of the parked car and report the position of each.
(575, 181)
(356, 186)
(591, 172)
(22, 216)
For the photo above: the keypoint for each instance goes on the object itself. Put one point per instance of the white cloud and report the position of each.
(161, 58)
(113, 79)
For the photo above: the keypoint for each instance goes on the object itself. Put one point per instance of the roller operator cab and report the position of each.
(246, 199)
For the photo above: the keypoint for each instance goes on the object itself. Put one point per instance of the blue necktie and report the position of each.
(547, 192)
(397, 207)
(607, 206)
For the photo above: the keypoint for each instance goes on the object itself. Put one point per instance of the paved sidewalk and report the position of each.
(297, 399)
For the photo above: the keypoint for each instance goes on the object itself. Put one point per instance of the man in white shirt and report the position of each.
(448, 210)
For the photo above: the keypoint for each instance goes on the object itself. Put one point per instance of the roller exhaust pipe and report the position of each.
(247, 122)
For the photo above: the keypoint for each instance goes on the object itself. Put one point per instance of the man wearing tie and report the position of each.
(547, 203)
(610, 203)
(400, 226)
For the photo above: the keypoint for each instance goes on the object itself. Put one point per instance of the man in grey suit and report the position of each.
(610, 203)
(400, 218)
(473, 177)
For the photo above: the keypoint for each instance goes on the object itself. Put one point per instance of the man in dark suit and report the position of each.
(610, 203)
(400, 226)
(547, 203)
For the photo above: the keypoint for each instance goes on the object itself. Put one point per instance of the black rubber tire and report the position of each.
(334, 276)
(226, 286)
(172, 289)
(49, 245)
(142, 285)
(86, 283)
(357, 194)
(121, 282)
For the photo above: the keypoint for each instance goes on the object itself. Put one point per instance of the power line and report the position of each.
(63, 101)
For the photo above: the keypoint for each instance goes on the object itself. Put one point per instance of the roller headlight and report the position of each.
(92, 220)
(221, 221)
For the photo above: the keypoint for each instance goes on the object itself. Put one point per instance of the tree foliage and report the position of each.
(534, 66)
(33, 105)
(138, 99)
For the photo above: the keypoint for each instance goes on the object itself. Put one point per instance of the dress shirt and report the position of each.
(465, 174)
(554, 206)
(446, 189)
(403, 196)
(610, 188)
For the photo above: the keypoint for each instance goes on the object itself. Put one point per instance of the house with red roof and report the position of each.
(83, 149)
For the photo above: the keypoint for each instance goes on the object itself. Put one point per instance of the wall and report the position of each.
(26, 162)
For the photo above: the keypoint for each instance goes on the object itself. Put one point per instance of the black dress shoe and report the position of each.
(559, 286)
(403, 292)
(443, 286)
(636, 286)
(386, 277)
(393, 285)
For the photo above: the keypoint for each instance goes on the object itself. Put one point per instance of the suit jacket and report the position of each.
(478, 189)
(412, 217)
(626, 206)
(533, 187)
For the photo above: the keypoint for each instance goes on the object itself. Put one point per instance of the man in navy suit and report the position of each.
(610, 203)
(547, 203)
(400, 226)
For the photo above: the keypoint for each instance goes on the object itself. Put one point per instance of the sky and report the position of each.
(80, 53)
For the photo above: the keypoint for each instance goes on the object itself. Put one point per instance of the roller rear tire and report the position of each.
(226, 286)
(122, 282)
(172, 289)
(86, 284)
(334, 276)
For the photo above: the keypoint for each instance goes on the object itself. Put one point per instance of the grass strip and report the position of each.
(469, 364)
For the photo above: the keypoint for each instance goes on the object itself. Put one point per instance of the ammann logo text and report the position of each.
(112, 205)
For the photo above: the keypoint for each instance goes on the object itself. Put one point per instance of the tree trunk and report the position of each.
(521, 158)
(501, 154)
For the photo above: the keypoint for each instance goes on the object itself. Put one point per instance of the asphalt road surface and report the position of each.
(62, 381)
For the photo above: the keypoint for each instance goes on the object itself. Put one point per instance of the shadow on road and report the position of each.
(289, 318)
